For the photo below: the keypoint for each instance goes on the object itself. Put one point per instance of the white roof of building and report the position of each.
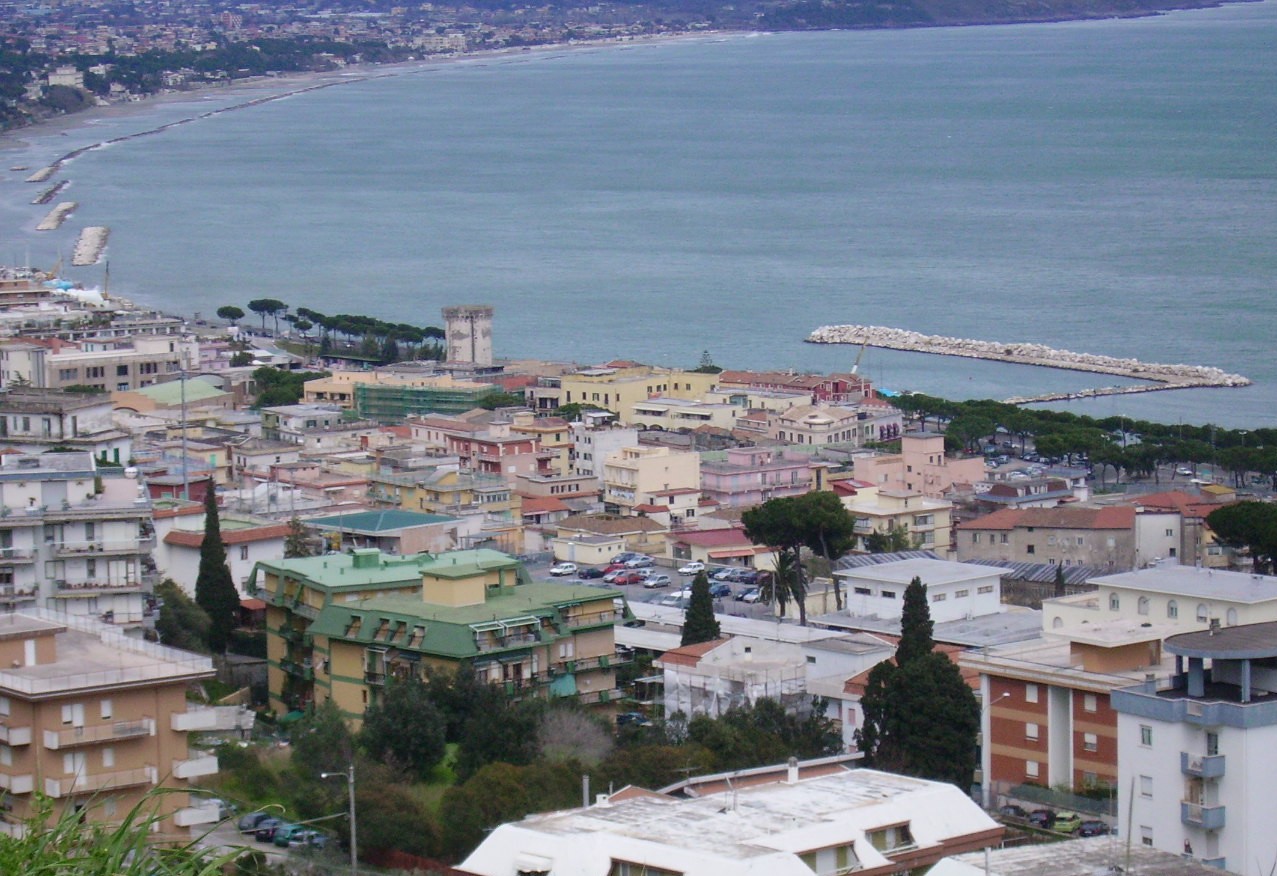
(1176, 580)
(753, 831)
(1102, 855)
(932, 572)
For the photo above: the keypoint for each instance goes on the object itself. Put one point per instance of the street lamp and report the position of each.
(986, 745)
(349, 775)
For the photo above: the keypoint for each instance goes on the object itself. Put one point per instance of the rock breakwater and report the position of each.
(1162, 376)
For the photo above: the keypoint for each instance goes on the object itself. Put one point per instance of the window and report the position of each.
(1170, 533)
(1050, 539)
(1089, 703)
(987, 588)
(1202, 613)
(106, 710)
(975, 538)
(1146, 735)
(121, 371)
(1212, 744)
(1142, 605)
(962, 594)
(108, 757)
(1030, 693)
(243, 552)
(4, 707)
(862, 591)
(1030, 549)
(1115, 602)
(888, 594)
(1172, 609)
(1031, 769)
(1079, 541)
(890, 838)
(1031, 732)
(1090, 742)
(1004, 538)
(627, 868)
(938, 597)
(6, 755)
(1146, 786)
(1146, 835)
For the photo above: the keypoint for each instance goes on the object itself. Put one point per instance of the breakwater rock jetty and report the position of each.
(56, 216)
(1161, 375)
(88, 249)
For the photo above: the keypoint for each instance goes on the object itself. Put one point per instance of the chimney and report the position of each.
(791, 777)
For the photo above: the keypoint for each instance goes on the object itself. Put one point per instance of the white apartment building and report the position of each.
(35, 420)
(74, 537)
(1196, 772)
(106, 364)
(593, 444)
(639, 476)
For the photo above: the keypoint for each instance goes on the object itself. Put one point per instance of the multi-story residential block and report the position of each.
(340, 625)
(823, 424)
(929, 522)
(482, 507)
(618, 386)
(1074, 535)
(74, 536)
(1196, 772)
(837, 389)
(107, 365)
(36, 420)
(921, 465)
(1197, 544)
(596, 439)
(95, 720)
(552, 435)
(676, 414)
(637, 476)
(492, 448)
(785, 822)
(747, 476)
(392, 397)
(300, 424)
(1039, 492)
(256, 456)
(248, 540)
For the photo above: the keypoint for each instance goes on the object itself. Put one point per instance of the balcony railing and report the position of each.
(95, 733)
(213, 718)
(1204, 766)
(194, 767)
(66, 587)
(83, 548)
(20, 784)
(374, 678)
(16, 555)
(87, 784)
(300, 670)
(594, 618)
(11, 594)
(1198, 815)
(15, 735)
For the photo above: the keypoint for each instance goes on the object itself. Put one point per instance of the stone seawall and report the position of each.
(1162, 375)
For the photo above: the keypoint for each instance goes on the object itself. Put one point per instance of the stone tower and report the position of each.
(468, 331)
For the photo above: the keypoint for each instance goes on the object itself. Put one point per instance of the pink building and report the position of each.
(920, 465)
(752, 475)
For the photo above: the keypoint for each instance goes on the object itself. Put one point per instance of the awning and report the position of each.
(732, 552)
(252, 604)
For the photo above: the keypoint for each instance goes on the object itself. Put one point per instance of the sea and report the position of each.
(1105, 187)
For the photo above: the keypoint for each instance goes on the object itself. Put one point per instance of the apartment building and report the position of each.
(73, 536)
(105, 364)
(392, 397)
(491, 448)
(35, 420)
(676, 414)
(822, 425)
(596, 439)
(956, 591)
(638, 476)
(95, 720)
(921, 465)
(928, 521)
(551, 434)
(1101, 537)
(837, 389)
(338, 626)
(747, 476)
(618, 386)
(1197, 770)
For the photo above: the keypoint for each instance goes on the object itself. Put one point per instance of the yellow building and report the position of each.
(618, 388)
(96, 720)
(928, 521)
(643, 476)
(338, 626)
(553, 435)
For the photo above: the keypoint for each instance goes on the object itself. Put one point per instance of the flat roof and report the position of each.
(1248, 642)
(389, 520)
(1004, 628)
(932, 572)
(1177, 580)
(1084, 857)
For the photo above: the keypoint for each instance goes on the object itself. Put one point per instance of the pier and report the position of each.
(1159, 376)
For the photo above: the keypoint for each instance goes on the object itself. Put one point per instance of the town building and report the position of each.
(35, 420)
(392, 396)
(637, 476)
(106, 365)
(248, 540)
(492, 447)
(1196, 771)
(618, 386)
(720, 546)
(339, 626)
(835, 820)
(95, 720)
(921, 465)
(1075, 535)
(592, 538)
(954, 590)
(747, 476)
(594, 439)
(927, 522)
(823, 424)
(677, 414)
(74, 536)
(838, 389)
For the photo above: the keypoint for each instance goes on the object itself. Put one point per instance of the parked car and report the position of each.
(673, 600)
(285, 832)
(632, 719)
(1012, 811)
(727, 573)
(613, 567)
(748, 576)
(628, 577)
(562, 570)
(312, 839)
(625, 556)
(1094, 828)
(1042, 817)
(588, 572)
(1066, 822)
(752, 595)
(640, 563)
(610, 577)
(721, 590)
(654, 581)
(265, 830)
(692, 568)
(1184, 472)
(248, 823)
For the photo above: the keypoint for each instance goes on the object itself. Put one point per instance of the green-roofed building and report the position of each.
(391, 530)
(339, 626)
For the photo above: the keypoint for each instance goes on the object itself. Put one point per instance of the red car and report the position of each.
(628, 578)
(614, 567)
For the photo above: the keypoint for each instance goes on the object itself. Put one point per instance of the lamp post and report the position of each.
(986, 749)
(349, 775)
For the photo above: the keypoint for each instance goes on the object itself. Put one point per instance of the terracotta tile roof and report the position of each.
(600, 524)
(187, 538)
(733, 537)
(856, 684)
(543, 504)
(652, 509)
(690, 655)
(1063, 517)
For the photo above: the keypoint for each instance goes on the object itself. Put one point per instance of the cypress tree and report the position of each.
(214, 587)
(699, 623)
(915, 624)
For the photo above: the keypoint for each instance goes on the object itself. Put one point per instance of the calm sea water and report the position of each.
(1106, 187)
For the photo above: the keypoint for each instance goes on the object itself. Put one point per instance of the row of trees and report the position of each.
(366, 336)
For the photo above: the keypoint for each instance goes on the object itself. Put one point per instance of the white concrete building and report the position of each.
(592, 445)
(1196, 771)
(956, 591)
(869, 822)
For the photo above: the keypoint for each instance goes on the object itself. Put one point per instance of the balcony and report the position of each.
(94, 734)
(301, 670)
(13, 594)
(191, 816)
(194, 767)
(87, 784)
(15, 735)
(377, 679)
(594, 619)
(1205, 817)
(213, 718)
(23, 784)
(100, 547)
(90, 587)
(16, 555)
(1203, 766)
